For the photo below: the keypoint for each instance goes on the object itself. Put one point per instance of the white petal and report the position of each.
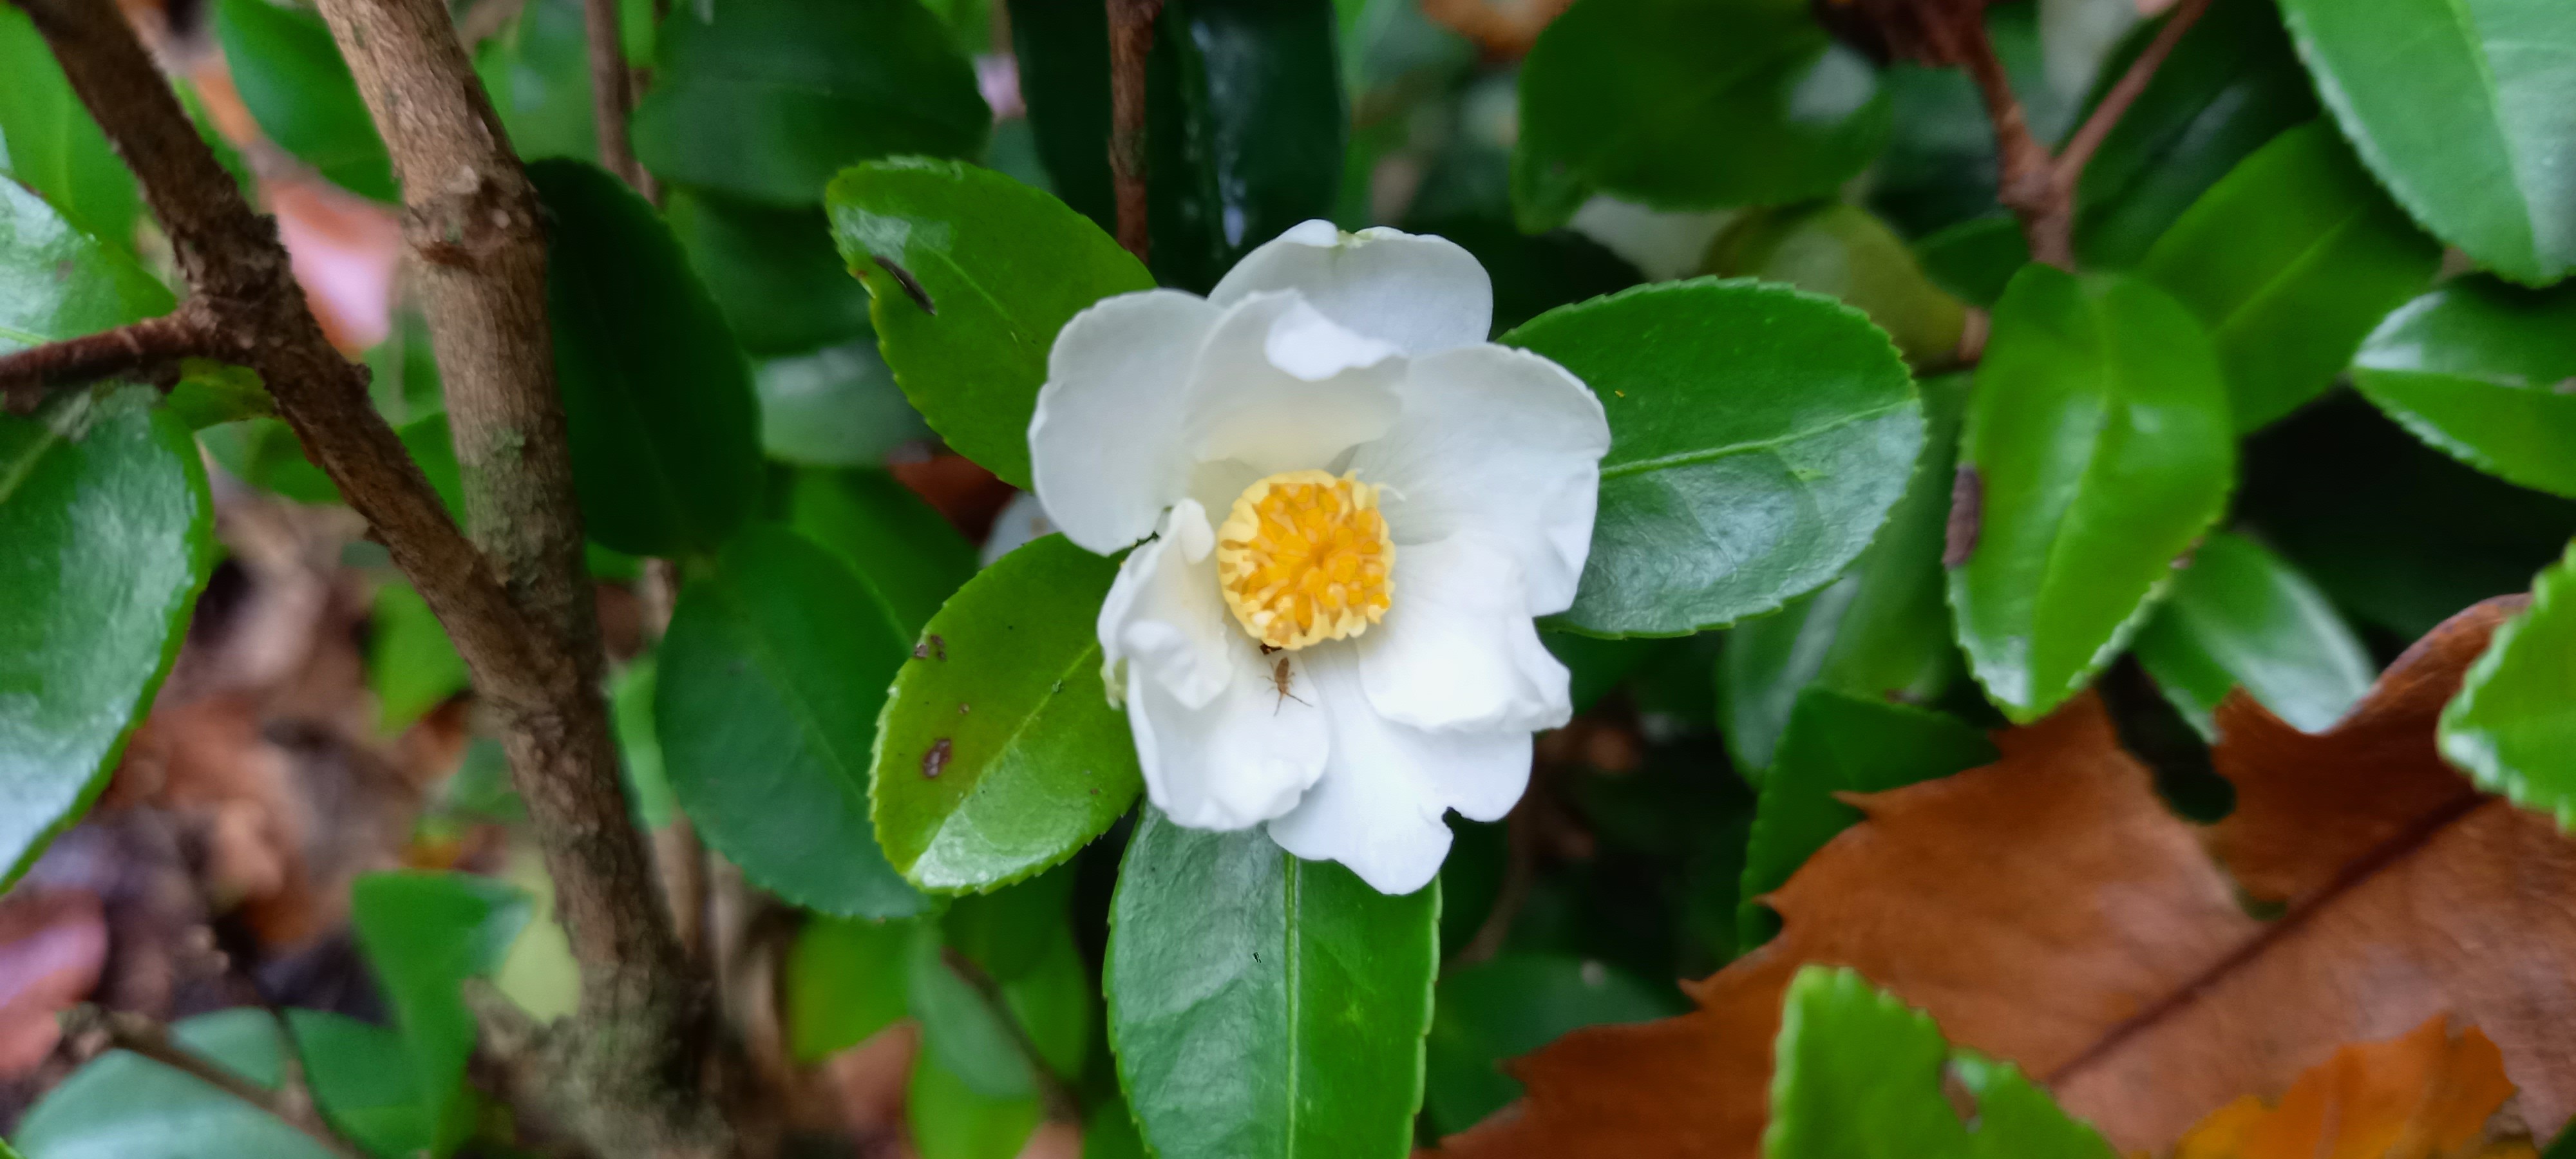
(1164, 615)
(1458, 650)
(1421, 293)
(1105, 446)
(1501, 442)
(1282, 388)
(1378, 806)
(1242, 758)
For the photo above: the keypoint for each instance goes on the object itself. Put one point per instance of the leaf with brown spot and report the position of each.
(2425, 1095)
(2048, 910)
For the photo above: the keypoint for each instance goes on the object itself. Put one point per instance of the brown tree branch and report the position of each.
(1131, 44)
(634, 1072)
(612, 93)
(2089, 136)
(145, 350)
(143, 1036)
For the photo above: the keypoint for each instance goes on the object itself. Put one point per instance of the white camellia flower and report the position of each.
(1358, 504)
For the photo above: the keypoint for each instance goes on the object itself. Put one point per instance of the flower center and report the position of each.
(1304, 558)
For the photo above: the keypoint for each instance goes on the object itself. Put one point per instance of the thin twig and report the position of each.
(1520, 875)
(1131, 44)
(2026, 177)
(1058, 1098)
(145, 350)
(2089, 136)
(148, 1038)
(611, 93)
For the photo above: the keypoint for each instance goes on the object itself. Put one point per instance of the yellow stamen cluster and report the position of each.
(1304, 557)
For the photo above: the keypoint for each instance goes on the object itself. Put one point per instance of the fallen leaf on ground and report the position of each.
(2426, 1095)
(2047, 909)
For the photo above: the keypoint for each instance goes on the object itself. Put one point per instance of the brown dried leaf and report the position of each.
(2427, 1095)
(1501, 27)
(2047, 909)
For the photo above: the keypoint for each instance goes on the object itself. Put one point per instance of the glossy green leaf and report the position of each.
(903, 550)
(2289, 261)
(2485, 373)
(2513, 725)
(411, 664)
(376, 1106)
(2399, 534)
(773, 271)
(1063, 55)
(425, 934)
(665, 431)
(1842, 252)
(2231, 84)
(991, 270)
(767, 99)
(1976, 258)
(1263, 1006)
(835, 407)
(2101, 448)
(845, 980)
(1512, 1005)
(1248, 137)
(1838, 743)
(1862, 1076)
(951, 1120)
(999, 754)
(2463, 108)
(1009, 931)
(2241, 617)
(121, 1106)
(209, 393)
(1881, 631)
(1684, 104)
(1758, 436)
(292, 79)
(104, 508)
(49, 141)
(766, 701)
(109, 540)
(536, 70)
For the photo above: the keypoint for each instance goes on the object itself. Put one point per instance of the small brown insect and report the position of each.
(1281, 677)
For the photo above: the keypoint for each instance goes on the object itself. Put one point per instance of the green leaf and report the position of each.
(1063, 56)
(411, 664)
(1881, 631)
(122, 1106)
(1009, 931)
(768, 686)
(104, 508)
(767, 99)
(375, 1106)
(1842, 252)
(2513, 725)
(773, 271)
(1685, 104)
(1515, 1004)
(951, 1120)
(991, 270)
(665, 431)
(962, 1031)
(2289, 261)
(209, 393)
(2231, 84)
(835, 407)
(1758, 436)
(425, 934)
(536, 69)
(1838, 743)
(639, 746)
(908, 555)
(265, 453)
(2485, 373)
(2461, 109)
(2101, 448)
(2242, 617)
(1939, 165)
(292, 79)
(846, 979)
(1976, 258)
(1248, 130)
(49, 141)
(1262, 1006)
(999, 754)
(1862, 1076)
